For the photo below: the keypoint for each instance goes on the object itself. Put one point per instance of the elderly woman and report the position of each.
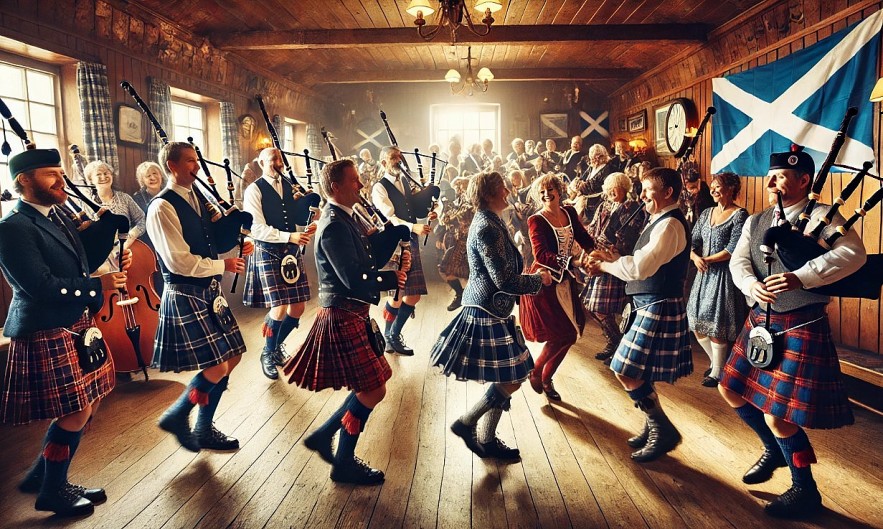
(100, 175)
(483, 342)
(613, 226)
(716, 307)
(555, 315)
(150, 182)
(586, 190)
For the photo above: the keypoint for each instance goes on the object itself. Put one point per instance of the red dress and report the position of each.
(542, 316)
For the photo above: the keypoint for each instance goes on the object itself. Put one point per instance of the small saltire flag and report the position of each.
(801, 99)
(594, 126)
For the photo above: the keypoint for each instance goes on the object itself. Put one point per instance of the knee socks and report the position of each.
(57, 454)
(404, 313)
(352, 424)
(329, 427)
(705, 343)
(389, 316)
(494, 397)
(799, 455)
(207, 412)
(719, 353)
(270, 329)
(288, 324)
(753, 417)
(197, 392)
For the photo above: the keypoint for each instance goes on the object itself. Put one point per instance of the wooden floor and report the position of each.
(575, 471)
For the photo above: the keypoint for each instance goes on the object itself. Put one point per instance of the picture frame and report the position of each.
(637, 122)
(622, 125)
(553, 125)
(130, 124)
(659, 117)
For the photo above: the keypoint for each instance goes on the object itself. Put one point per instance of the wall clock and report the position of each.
(681, 117)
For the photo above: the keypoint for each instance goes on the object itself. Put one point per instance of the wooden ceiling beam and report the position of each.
(500, 74)
(542, 34)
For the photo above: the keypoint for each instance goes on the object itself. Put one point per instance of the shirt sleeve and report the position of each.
(740, 260)
(381, 201)
(165, 232)
(668, 240)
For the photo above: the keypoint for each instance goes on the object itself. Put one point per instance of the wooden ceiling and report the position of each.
(600, 42)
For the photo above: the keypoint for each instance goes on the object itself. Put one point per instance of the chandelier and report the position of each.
(471, 82)
(453, 14)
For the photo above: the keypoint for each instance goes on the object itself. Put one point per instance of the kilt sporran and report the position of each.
(91, 349)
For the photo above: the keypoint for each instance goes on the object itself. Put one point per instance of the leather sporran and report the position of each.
(375, 337)
(91, 349)
(764, 349)
(628, 317)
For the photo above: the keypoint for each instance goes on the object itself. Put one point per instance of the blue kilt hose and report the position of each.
(805, 388)
(188, 337)
(44, 379)
(416, 283)
(604, 294)
(656, 347)
(264, 284)
(479, 346)
(336, 353)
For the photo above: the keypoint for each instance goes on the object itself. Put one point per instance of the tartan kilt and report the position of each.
(657, 345)
(264, 285)
(604, 294)
(188, 338)
(454, 262)
(44, 379)
(806, 388)
(416, 283)
(478, 346)
(336, 353)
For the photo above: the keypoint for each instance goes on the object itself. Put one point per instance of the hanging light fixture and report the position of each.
(472, 82)
(452, 14)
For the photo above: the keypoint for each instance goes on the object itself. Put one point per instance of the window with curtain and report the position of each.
(288, 142)
(189, 122)
(32, 96)
(472, 123)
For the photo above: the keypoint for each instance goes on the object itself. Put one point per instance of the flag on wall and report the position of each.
(594, 127)
(801, 99)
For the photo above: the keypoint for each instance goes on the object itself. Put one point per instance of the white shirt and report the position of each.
(845, 257)
(381, 200)
(164, 229)
(667, 240)
(252, 203)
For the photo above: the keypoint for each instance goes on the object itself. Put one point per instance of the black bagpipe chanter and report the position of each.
(229, 223)
(795, 246)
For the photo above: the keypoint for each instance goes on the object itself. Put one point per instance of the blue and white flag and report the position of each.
(594, 127)
(801, 99)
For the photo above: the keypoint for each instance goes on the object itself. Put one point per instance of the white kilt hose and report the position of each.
(265, 285)
(188, 337)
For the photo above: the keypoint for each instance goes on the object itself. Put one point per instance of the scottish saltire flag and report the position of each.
(594, 127)
(802, 99)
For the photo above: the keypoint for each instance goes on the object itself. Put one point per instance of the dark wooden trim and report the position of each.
(500, 74)
(347, 38)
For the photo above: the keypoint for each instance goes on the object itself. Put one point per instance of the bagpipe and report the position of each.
(385, 237)
(795, 246)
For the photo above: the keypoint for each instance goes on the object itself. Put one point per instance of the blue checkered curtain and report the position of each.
(230, 134)
(96, 113)
(160, 97)
(279, 123)
(314, 144)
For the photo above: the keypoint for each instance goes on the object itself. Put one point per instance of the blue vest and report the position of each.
(198, 234)
(275, 208)
(401, 202)
(669, 280)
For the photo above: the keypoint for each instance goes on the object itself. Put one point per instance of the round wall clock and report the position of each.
(680, 118)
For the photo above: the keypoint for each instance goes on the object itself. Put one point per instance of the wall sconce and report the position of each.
(264, 142)
(638, 143)
(877, 93)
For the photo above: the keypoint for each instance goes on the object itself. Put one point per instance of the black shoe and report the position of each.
(32, 482)
(640, 440)
(796, 502)
(65, 502)
(96, 496)
(762, 471)
(281, 356)
(467, 433)
(180, 428)
(321, 445)
(662, 438)
(710, 382)
(395, 344)
(498, 449)
(215, 440)
(268, 364)
(707, 372)
(607, 352)
(356, 472)
(455, 304)
(550, 391)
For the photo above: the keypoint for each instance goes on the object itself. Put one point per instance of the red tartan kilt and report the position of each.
(454, 262)
(336, 354)
(44, 379)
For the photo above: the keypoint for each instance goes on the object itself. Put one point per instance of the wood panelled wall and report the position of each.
(759, 37)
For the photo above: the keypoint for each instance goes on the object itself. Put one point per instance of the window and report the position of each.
(189, 122)
(32, 96)
(471, 123)
(288, 142)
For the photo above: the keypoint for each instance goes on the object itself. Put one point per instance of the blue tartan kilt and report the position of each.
(264, 284)
(188, 337)
(604, 294)
(806, 388)
(44, 379)
(416, 283)
(657, 345)
(478, 346)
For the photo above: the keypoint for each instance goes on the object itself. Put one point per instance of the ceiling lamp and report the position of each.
(452, 14)
(472, 82)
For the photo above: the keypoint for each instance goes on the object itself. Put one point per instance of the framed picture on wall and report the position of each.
(622, 125)
(638, 121)
(553, 125)
(659, 115)
(130, 125)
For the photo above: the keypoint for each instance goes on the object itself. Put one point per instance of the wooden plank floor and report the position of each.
(575, 471)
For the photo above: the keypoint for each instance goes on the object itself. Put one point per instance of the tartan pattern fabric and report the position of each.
(44, 379)
(454, 261)
(657, 346)
(336, 354)
(96, 113)
(416, 283)
(604, 294)
(264, 285)
(806, 388)
(278, 122)
(478, 346)
(230, 134)
(160, 96)
(188, 338)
